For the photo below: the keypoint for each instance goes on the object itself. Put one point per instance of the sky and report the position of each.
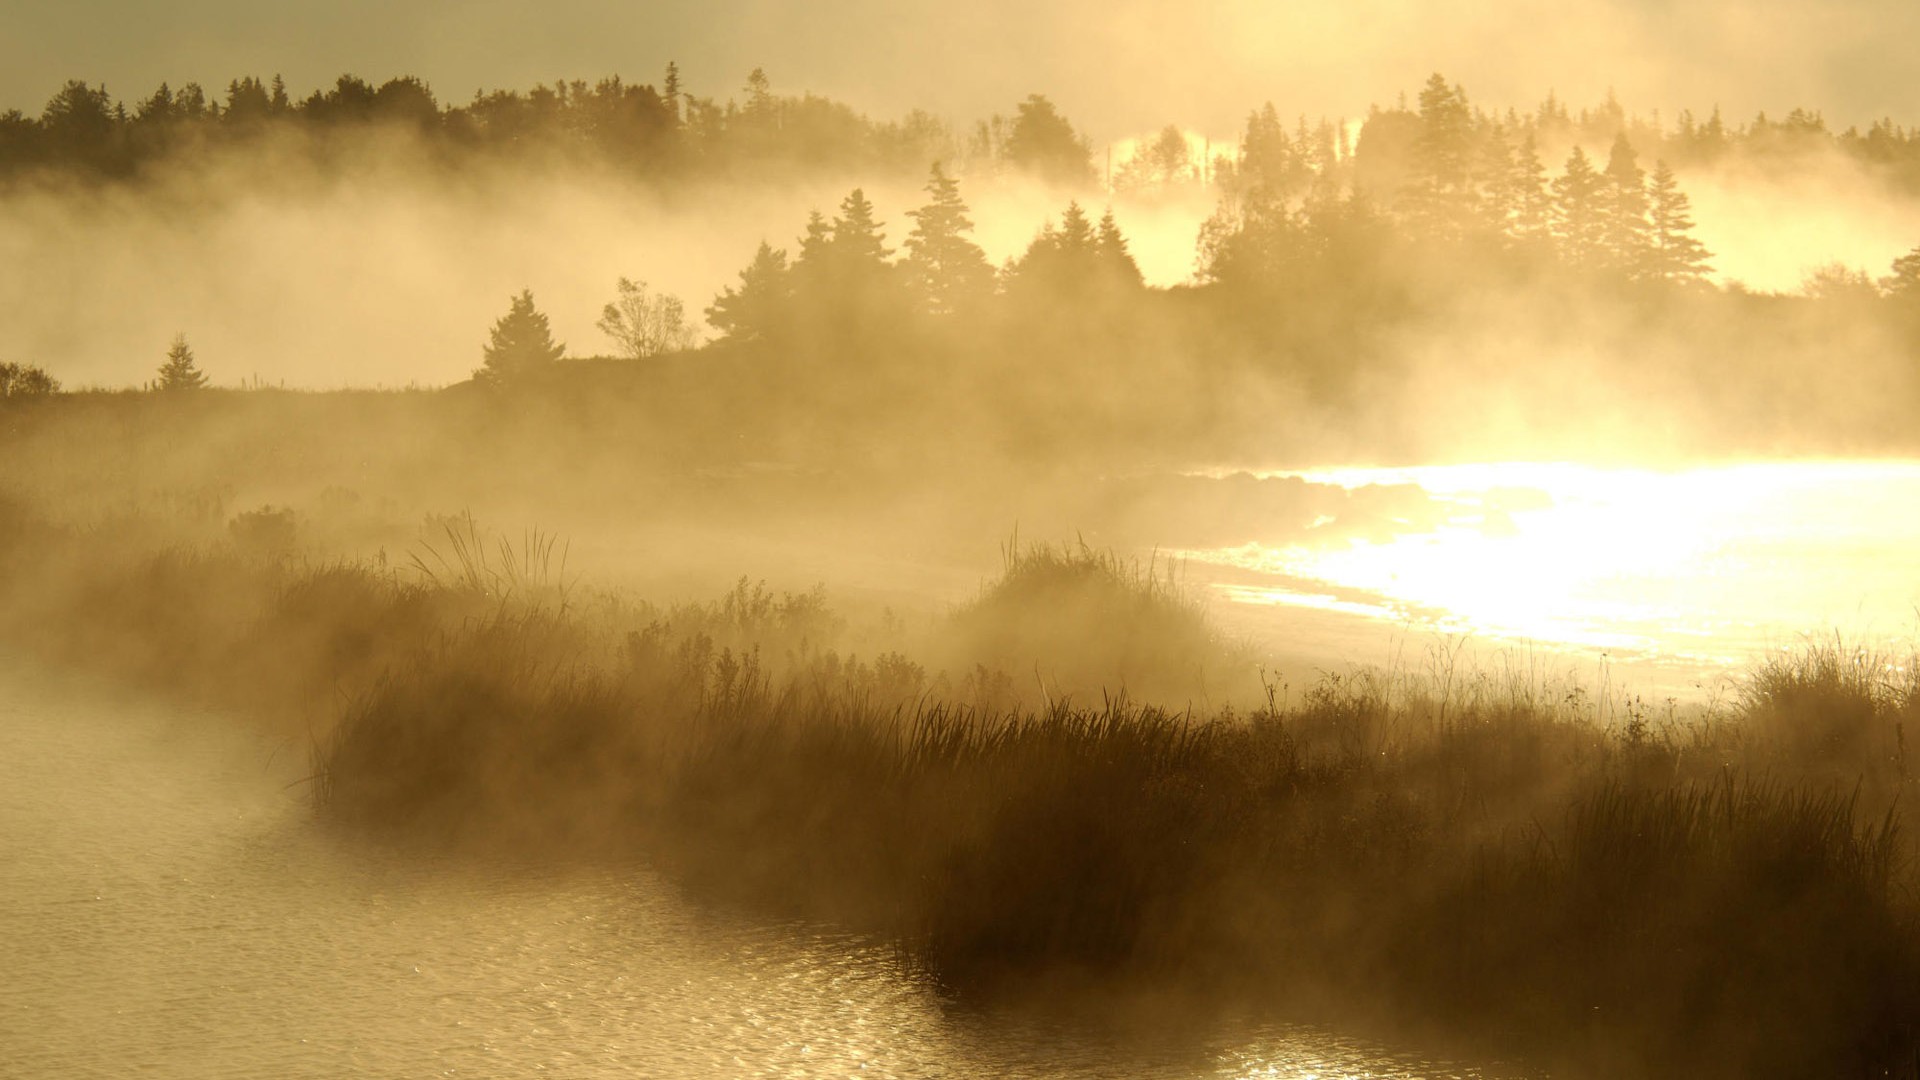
(1115, 66)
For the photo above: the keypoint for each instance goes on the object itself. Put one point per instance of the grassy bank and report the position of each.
(1486, 855)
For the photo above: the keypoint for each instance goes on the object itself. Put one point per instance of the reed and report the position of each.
(1612, 893)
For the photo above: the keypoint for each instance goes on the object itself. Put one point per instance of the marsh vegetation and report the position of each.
(1060, 779)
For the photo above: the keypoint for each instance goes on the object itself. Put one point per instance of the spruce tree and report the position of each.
(1579, 213)
(178, 373)
(758, 309)
(1440, 198)
(1674, 254)
(815, 242)
(946, 270)
(1268, 170)
(759, 94)
(842, 275)
(1076, 235)
(858, 241)
(814, 272)
(1110, 247)
(520, 344)
(1626, 243)
(1495, 183)
(1532, 220)
(1074, 255)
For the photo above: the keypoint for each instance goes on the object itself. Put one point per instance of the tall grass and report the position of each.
(1484, 852)
(1074, 620)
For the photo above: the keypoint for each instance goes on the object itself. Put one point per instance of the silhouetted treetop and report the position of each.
(1075, 258)
(1111, 248)
(1043, 143)
(521, 344)
(759, 306)
(658, 133)
(1904, 282)
(19, 382)
(1672, 252)
(1625, 245)
(1427, 159)
(1580, 212)
(1439, 195)
(179, 373)
(857, 237)
(945, 269)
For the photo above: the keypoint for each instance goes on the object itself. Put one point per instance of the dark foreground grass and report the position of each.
(1484, 857)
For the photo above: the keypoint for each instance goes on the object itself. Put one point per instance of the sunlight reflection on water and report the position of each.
(171, 910)
(1711, 563)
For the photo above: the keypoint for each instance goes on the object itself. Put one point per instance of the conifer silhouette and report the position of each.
(178, 373)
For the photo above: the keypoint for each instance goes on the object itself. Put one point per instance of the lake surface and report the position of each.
(170, 909)
(1690, 570)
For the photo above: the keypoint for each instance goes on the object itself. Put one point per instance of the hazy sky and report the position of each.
(1116, 66)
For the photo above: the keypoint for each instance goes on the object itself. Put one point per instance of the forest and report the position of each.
(1420, 283)
(665, 133)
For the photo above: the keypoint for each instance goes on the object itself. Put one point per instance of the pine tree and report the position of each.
(1674, 254)
(760, 307)
(1440, 198)
(1532, 202)
(521, 343)
(158, 108)
(858, 241)
(1110, 247)
(1494, 183)
(842, 258)
(1267, 170)
(759, 94)
(1075, 236)
(1626, 243)
(945, 269)
(672, 91)
(1073, 255)
(815, 243)
(179, 372)
(1579, 212)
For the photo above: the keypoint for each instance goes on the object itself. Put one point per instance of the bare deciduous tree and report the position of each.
(645, 323)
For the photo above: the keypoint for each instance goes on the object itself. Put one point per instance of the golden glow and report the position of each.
(1711, 562)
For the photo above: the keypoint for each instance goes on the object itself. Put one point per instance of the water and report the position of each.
(1694, 569)
(171, 910)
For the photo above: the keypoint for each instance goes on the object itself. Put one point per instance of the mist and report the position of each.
(385, 277)
(1194, 546)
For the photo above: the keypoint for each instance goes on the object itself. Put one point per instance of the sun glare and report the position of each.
(1706, 561)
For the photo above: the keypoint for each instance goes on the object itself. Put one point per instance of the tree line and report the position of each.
(1306, 205)
(1469, 197)
(649, 130)
(662, 130)
(1316, 234)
